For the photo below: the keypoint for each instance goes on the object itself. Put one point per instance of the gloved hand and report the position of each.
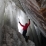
(19, 22)
(29, 19)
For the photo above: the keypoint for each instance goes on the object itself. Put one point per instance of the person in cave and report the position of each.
(25, 29)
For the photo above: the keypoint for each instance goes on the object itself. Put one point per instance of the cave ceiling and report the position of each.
(38, 10)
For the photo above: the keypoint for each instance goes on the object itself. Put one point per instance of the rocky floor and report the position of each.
(14, 38)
